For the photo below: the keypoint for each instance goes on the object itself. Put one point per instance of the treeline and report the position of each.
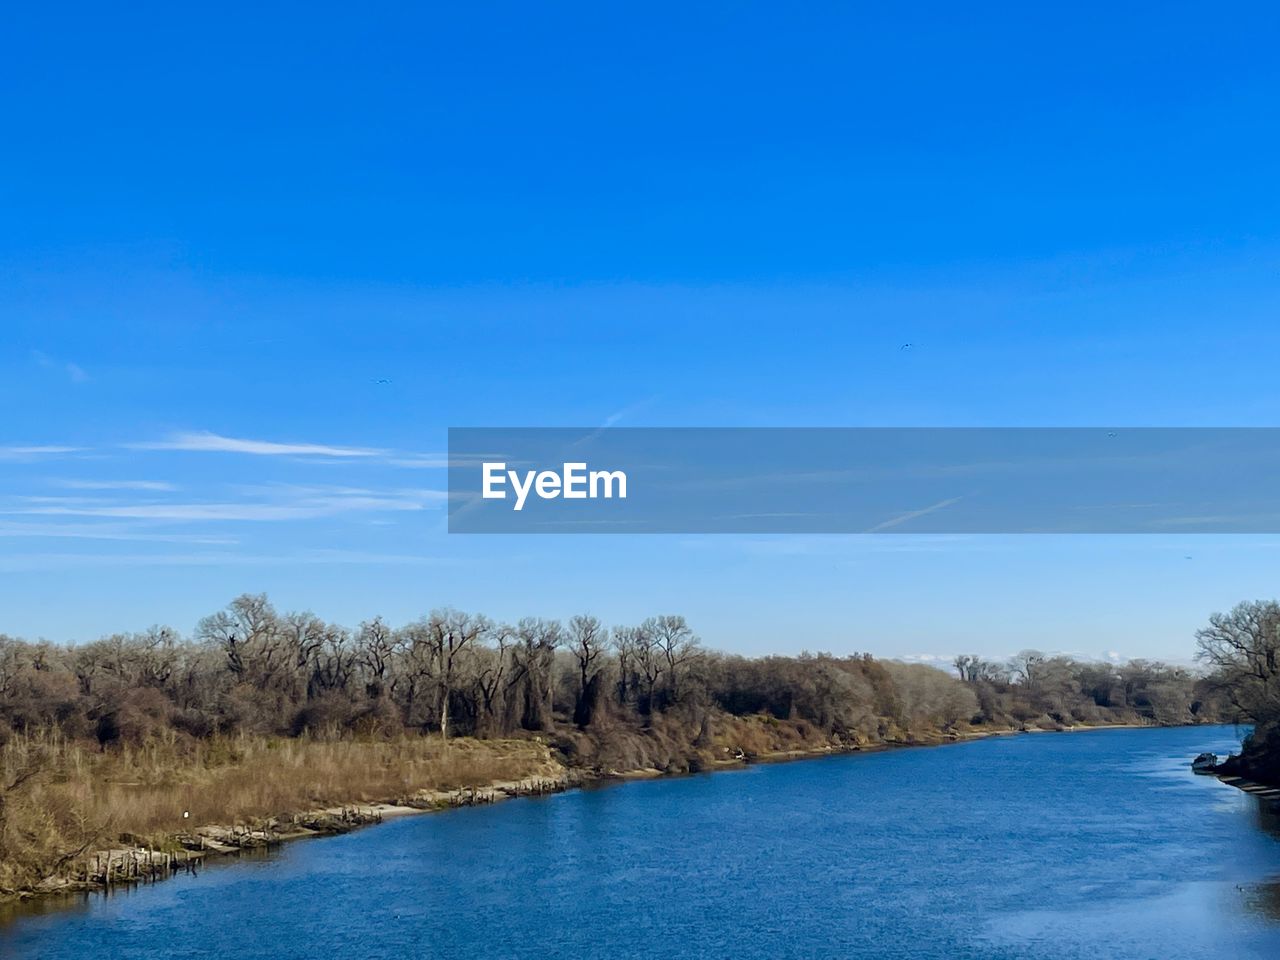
(250, 669)
(1033, 686)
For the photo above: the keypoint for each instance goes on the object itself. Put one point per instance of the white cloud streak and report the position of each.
(306, 507)
(611, 419)
(151, 486)
(103, 531)
(220, 511)
(207, 442)
(913, 514)
(62, 561)
(436, 462)
(75, 373)
(35, 451)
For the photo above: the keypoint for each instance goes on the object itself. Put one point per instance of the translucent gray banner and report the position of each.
(864, 480)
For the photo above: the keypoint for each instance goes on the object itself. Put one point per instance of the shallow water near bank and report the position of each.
(1100, 843)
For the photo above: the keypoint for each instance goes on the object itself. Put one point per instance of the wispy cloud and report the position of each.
(36, 451)
(612, 419)
(442, 461)
(357, 497)
(207, 442)
(425, 461)
(296, 491)
(780, 515)
(287, 503)
(913, 514)
(103, 531)
(59, 561)
(153, 486)
(221, 511)
(74, 372)
(204, 441)
(845, 548)
(180, 511)
(1211, 521)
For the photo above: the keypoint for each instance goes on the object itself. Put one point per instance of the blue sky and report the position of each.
(224, 230)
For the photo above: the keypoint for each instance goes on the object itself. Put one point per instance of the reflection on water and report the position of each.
(66, 903)
(1050, 846)
(1267, 816)
(80, 901)
(1263, 898)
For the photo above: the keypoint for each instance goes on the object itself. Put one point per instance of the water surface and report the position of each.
(1046, 846)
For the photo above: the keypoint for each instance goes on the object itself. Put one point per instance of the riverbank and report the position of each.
(1263, 791)
(235, 802)
(972, 853)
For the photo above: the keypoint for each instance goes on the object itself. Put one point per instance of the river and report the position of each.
(1090, 844)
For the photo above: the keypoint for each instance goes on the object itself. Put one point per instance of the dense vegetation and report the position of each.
(1243, 649)
(249, 669)
(259, 710)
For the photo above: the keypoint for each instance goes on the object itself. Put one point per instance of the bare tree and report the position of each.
(1026, 667)
(965, 664)
(1244, 648)
(587, 640)
(676, 645)
(534, 657)
(627, 642)
(416, 668)
(377, 645)
(650, 665)
(245, 632)
(491, 665)
(451, 633)
(333, 663)
(157, 655)
(302, 637)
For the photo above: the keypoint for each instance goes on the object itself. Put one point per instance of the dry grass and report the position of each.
(762, 736)
(146, 790)
(82, 796)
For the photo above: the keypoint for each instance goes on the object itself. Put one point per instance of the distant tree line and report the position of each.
(1033, 684)
(251, 669)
